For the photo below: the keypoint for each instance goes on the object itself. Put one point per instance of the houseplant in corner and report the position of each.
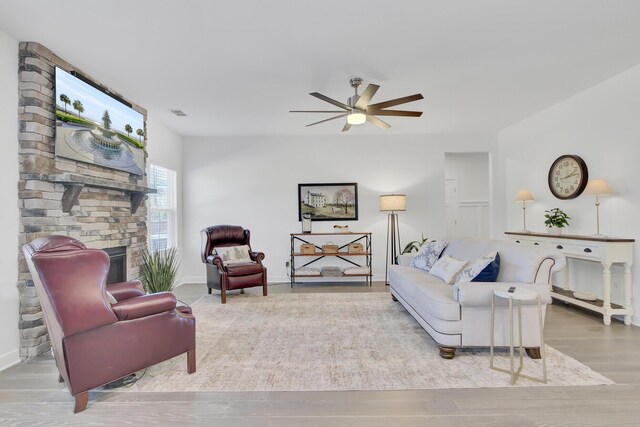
(556, 220)
(415, 245)
(159, 269)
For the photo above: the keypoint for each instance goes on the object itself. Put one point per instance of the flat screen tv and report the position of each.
(96, 128)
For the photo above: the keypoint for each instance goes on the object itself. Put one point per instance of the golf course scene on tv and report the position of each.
(93, 127)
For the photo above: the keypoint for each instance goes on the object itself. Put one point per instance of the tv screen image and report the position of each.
(94, 127)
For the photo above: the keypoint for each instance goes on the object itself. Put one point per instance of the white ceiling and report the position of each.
(237, 67)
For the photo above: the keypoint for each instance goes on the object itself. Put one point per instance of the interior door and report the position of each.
(451, 205)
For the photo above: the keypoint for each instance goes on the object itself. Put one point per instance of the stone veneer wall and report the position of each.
(102, 217)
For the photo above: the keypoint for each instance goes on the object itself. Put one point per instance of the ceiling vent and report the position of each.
(178, 113)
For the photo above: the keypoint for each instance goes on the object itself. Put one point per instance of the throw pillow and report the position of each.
(447, 268)
(428, 255)
(234, 254)
(483, 269)
(110, 298)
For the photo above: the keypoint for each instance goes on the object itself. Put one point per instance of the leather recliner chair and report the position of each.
(232, 276)
(95, 342)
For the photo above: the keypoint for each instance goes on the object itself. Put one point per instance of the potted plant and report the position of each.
(414, 245)
(158, 270)
(556, 220)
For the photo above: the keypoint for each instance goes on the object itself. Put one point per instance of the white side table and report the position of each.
(519, 295)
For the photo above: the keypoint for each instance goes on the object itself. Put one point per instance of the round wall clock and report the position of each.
(568, 176)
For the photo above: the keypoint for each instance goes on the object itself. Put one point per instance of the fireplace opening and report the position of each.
(118, 265)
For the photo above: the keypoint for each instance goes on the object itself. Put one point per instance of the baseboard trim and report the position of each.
(9, 359)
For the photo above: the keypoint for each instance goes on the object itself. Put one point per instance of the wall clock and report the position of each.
(568, 176)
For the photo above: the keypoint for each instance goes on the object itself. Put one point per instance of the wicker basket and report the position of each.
(330, 271)
(329, 248)
(356, 248)
(307, 249)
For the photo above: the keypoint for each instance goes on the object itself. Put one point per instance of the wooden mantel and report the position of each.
(74, 183)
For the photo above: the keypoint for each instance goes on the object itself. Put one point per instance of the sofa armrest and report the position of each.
(405, 259)
(146, 305)
(478, 294)
(125, 290)
(256, 256)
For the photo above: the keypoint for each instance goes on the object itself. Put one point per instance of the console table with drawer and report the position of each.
(601, 249)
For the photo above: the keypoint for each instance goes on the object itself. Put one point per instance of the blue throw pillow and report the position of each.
(490, 272)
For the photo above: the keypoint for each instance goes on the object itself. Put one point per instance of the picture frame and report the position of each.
(328, 201)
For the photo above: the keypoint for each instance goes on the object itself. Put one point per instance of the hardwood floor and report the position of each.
(30, 394)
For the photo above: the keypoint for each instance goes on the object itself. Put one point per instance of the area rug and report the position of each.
(333, 341)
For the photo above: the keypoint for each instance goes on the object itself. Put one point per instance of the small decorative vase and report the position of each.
(554, 230)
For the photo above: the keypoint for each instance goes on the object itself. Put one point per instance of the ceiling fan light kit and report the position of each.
(357, 110)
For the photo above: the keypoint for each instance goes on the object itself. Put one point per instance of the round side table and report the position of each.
(520, 294)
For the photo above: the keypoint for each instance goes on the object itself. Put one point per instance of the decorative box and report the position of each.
(331, 271)
(356, 248)
(307, 249)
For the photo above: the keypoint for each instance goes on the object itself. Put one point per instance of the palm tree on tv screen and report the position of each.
(140, 133)
(77, 105)
(128, 129)
(65, 100)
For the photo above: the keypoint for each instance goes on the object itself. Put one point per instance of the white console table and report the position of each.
(604, 250)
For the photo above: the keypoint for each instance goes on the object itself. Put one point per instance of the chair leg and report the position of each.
(264, 289)
(60, 379)
(191, 361)
(223, 296)
(81, 402)
(209, 291)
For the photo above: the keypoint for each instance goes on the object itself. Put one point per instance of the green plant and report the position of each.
(159, 269)
(556, 218)
(415, 245)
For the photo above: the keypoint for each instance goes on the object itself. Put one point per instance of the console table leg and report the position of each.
(627, 292)
(606, 282)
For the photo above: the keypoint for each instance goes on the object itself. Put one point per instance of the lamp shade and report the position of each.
(598, 187)
(524, 195)
(393, 202)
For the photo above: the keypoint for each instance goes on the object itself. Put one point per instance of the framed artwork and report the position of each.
(328, 202)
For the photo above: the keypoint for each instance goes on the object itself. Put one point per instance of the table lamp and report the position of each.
(598, 187)
(524, 196)
(392, 203)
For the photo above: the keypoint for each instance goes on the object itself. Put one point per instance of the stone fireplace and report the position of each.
(103, 208)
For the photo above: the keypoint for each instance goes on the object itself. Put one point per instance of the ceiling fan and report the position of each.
(357, 110)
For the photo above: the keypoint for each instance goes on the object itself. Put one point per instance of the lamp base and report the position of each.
(525, 231)
(599, 235)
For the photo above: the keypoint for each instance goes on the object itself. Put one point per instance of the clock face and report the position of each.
(568, 177)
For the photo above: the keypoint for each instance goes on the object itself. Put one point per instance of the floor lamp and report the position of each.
(598, 187)
(524, 196)
(392, 203)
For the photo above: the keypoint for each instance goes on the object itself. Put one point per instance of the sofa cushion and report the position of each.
(233, 254)
(447, 268)
(483, 269)
(244, 269)
(428, 255)
(435, 299)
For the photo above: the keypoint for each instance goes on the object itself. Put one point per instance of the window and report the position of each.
(162, 208)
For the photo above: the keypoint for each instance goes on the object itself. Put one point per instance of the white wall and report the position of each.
(602, 126)
(253, 182)
(472, 171)
(165, 149)
(9, 298)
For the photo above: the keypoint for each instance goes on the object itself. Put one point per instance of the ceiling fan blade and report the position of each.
(346, 127)
(330, 101)
(366, 96)
(401, 113)
(396, 101)
(376, 121)
(326, 120)
(316, 111)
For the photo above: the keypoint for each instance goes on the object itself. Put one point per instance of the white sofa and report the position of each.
(459, 315)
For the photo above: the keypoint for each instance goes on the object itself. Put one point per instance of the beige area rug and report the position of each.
(341, 341)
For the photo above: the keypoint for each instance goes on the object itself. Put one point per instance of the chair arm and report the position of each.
(125, 290)
(217, 261)
(146, 305)
(256, 256)
(478, 294)
(405, 259)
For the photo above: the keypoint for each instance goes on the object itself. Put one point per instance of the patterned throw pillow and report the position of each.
(447, 268)
(484, 269)
(428, 255)
(234, 254)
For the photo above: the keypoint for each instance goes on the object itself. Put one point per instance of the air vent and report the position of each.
(178, 113)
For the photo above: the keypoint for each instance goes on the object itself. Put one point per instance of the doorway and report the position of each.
(467, 186)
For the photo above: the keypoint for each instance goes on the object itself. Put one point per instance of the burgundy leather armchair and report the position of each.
(94, 342)
(233, 276)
